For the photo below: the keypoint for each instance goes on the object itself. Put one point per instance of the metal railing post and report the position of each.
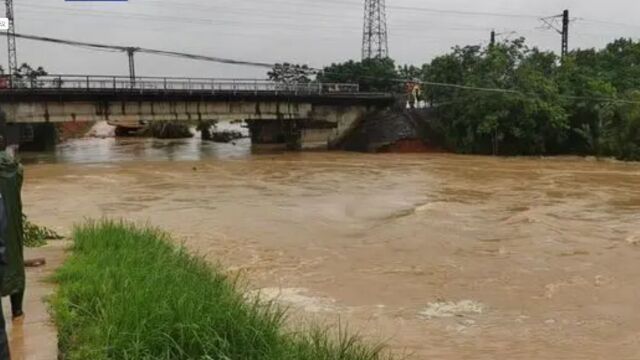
(165, 84)
(114, 84)
(87, 82)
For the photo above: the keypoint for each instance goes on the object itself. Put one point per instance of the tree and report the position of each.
(523, 115)
(371, 74)
(409, 72)
(286, 73)
(512, 99)
(27, 76)
(622, 136)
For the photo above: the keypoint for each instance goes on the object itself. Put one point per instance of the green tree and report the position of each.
(622, 136)
(27, 76)
(371, 74)
(524, 114)
(410, 72)
(290, 73)
(512, 99)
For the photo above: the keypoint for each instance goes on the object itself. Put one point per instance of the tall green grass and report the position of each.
(127, 293)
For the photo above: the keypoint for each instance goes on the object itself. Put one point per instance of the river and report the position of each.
(439, 256)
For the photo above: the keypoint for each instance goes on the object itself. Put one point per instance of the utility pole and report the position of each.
(494, 36)
(374, 34)
(565, 33)
(551, 22)
(132, 66)
(11, 41)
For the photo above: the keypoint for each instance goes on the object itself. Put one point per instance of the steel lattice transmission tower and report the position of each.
(11, 38)
(374, 35)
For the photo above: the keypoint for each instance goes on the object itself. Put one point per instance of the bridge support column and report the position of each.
(266, 132)
(43, 138)
(295, 134)
(276, 132)
(204, 126)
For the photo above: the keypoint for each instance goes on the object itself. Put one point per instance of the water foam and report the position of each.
(447, 309)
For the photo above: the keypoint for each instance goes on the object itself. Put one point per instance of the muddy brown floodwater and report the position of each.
(440, 256)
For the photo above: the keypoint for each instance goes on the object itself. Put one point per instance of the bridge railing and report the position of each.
(172, 84)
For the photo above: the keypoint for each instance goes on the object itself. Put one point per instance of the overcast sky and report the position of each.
(315, 32)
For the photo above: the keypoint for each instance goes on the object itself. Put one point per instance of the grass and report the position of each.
(127, 293)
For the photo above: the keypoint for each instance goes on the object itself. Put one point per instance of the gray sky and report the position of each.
(316, 32)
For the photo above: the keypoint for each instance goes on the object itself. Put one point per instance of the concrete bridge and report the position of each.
(302, 115)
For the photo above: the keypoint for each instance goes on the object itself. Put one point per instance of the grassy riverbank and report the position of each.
(127, 293)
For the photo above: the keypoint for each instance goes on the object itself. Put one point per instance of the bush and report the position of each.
(168, 130)
(36, 236)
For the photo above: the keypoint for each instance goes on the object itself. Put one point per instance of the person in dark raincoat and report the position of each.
(4, 343)
(13, 280)
(11, 270)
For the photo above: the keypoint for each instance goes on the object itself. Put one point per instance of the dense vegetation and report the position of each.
(168, 130)
(35, 235)
(127, 293)
(512, 99)
(25, 74)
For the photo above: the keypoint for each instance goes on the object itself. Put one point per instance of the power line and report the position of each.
(210, 22)
(253, 24)
(131, 50)
(518, 92)
(358, 5)
(261, 12)
(432, 10)
(605, 22)
(326, 35)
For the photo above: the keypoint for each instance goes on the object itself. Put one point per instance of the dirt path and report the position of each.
(34, 337)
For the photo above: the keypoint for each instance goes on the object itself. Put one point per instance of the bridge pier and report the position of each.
(274, 132)
(35, 137)
(295, 134)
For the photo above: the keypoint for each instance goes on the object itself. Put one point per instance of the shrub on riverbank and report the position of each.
(35, 235)
(127, 293)
(168, 130)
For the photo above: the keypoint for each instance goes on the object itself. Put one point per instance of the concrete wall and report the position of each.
(345, 119)
(134, 111)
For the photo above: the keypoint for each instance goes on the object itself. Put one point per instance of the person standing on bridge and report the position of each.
(413, 92)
